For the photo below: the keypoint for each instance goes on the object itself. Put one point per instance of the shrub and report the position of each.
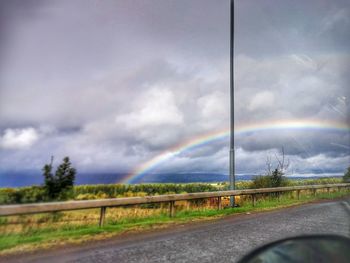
(33, 194)
(346, 177)
(86, 197)
(120, 190)
(261, 182)
(276, 179)
(30, 194)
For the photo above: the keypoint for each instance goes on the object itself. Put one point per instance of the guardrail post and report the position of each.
(328, 190)
(219, 203)
(314, 191)
(254, 199)
(279, 196)
(102, 216)
(172, 209)
(298, 194)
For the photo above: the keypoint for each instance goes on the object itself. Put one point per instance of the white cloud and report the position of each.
(213, 105)
(213, 109)
(305, 61)
(340, 17)
(262, 100)
(19, 138)
(155, 107)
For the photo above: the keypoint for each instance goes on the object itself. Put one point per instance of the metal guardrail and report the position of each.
(35, 208)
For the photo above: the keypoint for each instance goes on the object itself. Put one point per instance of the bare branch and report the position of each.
(268, 164)
(51, 163)
(282, 166)
(282, 163)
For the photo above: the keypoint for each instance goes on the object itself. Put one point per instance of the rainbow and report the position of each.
(201, 140)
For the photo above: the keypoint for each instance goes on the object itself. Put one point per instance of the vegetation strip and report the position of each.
(74, 205)
(35, 194)
(39, 236)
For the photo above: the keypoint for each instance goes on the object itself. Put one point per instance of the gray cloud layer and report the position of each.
(114, 83)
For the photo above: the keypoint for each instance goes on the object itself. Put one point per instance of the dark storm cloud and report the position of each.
(11, 10)
(277, 27)
(302, 143)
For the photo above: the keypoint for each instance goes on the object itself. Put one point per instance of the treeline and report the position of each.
(121, 190)
(35, 194)
(84, 192)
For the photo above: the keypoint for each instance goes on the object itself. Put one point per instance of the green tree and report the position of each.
(57, 185)
(346, 177)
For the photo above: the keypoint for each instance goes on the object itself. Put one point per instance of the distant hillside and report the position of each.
(18, 179)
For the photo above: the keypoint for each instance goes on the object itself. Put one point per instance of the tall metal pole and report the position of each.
(232, 124)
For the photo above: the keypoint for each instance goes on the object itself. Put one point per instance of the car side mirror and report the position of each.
(313, 248)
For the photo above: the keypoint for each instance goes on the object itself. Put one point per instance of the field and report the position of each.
(22, 233)
(35, 194)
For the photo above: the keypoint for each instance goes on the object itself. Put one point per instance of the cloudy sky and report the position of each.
(115, 83)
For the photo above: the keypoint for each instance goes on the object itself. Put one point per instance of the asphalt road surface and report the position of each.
(222, 240)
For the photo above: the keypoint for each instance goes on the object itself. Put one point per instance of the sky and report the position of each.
(117, 84)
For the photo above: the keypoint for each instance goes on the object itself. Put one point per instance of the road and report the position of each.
(222, 240)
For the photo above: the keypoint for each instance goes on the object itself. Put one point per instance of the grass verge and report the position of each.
(33, 238)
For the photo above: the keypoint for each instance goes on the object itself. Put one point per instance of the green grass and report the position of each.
(34, 238)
